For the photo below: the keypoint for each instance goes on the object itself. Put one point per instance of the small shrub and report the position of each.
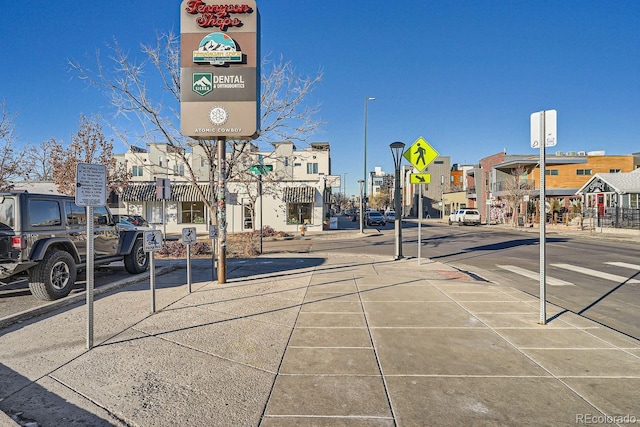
(268, 231)
(200, 248)
(175, 249)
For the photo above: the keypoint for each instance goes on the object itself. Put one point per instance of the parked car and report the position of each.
(130, 222)
(43, 238)
(390, 216)
(139, 221)
(465, 217)
(375, 218)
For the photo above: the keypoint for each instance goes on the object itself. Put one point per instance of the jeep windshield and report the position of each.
(7, 210)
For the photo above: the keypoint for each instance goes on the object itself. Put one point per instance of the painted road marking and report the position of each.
(596, 273)
(625, 265)
(535, 275)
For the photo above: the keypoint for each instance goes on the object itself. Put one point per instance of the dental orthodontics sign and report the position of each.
(220, 69)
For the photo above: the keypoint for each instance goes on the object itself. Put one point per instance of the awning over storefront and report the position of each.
(181, 192)
(299, 195)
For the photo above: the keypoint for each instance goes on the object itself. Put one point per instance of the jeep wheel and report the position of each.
(54, 277)
(137, 261)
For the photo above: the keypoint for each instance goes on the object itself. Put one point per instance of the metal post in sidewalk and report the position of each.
(397, 149)
(222, 211)
(90, 277)
(419, 224)
(543, 223)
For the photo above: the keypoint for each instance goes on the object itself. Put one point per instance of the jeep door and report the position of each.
(77, 227)
(106, 235)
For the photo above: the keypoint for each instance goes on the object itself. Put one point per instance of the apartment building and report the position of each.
(565, 174)
(282, 188)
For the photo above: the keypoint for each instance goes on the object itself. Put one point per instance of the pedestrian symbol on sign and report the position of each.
(420, 152)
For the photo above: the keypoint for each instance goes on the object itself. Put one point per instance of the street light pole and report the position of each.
(361, 213)
(364, 177)
(397, 149)
(441, 196)
(345, 187)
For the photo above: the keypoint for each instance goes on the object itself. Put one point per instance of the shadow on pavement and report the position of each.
(43, 404)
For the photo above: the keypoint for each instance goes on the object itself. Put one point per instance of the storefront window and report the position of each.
(192, 212)
(299, 213)
(246, 217)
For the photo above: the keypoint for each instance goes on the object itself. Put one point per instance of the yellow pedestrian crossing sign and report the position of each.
(420, 154)
(420, 178)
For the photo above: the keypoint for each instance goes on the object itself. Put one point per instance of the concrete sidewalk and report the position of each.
(318, 340)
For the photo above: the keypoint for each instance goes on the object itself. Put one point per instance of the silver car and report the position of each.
(390, 216)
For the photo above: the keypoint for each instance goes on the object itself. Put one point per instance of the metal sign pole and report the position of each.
(543, 221)
(419, 224)
(90, 279)
(152, 281)
(189, 268)
(91, 190)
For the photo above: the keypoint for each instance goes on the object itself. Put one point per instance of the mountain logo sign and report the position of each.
(202, 83)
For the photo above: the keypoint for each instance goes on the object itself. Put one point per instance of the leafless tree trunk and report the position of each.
(516, 189)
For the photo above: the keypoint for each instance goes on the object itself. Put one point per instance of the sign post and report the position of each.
(260, 169)
(543, 134)
(152, 242)
(220, 84)
(163, 192)
(91, 190)
(420, 154)
(188, 238)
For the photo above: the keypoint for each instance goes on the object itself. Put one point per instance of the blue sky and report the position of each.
(465, 75)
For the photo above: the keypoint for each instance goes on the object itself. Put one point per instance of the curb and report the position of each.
(73, 299)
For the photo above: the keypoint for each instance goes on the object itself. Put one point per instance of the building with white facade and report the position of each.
(296, 187)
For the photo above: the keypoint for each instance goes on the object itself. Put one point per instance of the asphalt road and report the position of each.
(595, 277)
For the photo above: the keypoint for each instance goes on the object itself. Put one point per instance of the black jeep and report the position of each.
(43, 238)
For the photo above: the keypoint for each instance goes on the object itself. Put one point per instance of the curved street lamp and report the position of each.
(397, 148)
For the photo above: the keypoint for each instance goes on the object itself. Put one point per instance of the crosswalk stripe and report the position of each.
(596, 273)
(625, 265)
(533, 275)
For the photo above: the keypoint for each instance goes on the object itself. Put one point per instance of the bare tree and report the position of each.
(284, 116)
(9, 158)
(515, 189)
(89, 145)
(38, 162)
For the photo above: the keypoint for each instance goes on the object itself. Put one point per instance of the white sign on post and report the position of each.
(188, 236)
(91, 184)
(152, 241)
(91, 190)
(550, 129)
